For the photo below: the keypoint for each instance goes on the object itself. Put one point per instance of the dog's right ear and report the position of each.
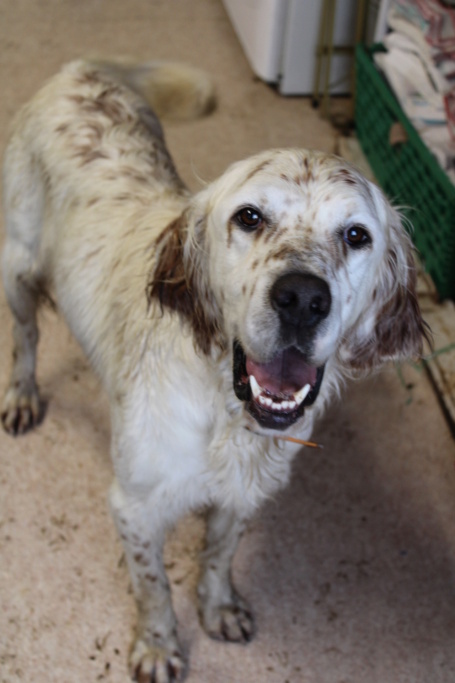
(179, 279)
(168, 283)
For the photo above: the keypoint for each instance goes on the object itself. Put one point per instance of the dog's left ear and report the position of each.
(395, 329)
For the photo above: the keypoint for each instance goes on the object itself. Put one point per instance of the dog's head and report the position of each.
(296, 262)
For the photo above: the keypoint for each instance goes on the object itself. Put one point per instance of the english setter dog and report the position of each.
(219, 323)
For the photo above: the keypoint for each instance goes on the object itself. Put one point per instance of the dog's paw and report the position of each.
(155, 663)
(21, 409)
(233, 622)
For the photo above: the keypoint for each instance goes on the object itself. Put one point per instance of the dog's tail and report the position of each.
(173, 90)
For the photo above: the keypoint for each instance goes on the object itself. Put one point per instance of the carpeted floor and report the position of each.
(350, 571)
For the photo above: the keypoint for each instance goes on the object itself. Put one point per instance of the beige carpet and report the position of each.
(350, 571)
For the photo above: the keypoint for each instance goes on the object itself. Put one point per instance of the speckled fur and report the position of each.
(156, 284)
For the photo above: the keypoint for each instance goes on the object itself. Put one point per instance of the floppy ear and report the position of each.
(395, 328)
(179, 279)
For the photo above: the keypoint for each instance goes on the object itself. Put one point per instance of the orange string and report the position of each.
(310, 444)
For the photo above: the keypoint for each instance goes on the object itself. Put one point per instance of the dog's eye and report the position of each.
(356, 236)
(248, 218)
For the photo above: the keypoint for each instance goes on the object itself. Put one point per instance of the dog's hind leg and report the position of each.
(23, 205)
(224, 613)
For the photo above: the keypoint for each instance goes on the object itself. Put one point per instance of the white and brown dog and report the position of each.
(217, 322)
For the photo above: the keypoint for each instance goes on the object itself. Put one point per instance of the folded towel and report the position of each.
(420, 67)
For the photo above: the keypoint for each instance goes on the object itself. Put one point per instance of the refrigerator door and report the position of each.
(280, 40)
(300, 45)
(260, 27)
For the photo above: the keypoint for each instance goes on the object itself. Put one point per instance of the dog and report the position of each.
(220, 323)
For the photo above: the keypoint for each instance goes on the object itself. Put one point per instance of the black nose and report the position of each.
(301, 300)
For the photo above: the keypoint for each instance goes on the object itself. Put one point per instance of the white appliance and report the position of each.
(280, 40)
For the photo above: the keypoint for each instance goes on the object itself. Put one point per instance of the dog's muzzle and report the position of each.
(277, 392)
(302, 301)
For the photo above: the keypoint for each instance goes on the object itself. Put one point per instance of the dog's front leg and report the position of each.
(155, 654)
(224, 614)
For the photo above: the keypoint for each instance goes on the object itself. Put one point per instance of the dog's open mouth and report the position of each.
(276, 393)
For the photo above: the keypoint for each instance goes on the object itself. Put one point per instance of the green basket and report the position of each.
(408, 172)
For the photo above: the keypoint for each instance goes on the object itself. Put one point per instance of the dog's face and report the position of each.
(304, 256)
(303, 265)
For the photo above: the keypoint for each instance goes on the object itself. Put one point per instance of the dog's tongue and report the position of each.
(285, 374)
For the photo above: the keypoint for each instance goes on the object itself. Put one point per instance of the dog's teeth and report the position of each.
(301, 395)
(255, 388)
(280, 406)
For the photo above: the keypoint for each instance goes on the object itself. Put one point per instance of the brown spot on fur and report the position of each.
(308, 174)
(107, 103)
(269, 234)
(77, 99)
(230, 229)
(285, 252)
(176, 286)
(89, 78)
(91, 155)
(110, 106)
(298, 179)
(264, 227)
(133, 174)
(140, 559)
(338, 252)
(279, 233)
(140, 178)
(258, 168)
(345, 176)
(310, 222)
(344, 249)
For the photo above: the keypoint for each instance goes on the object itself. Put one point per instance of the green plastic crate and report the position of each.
(409, 174)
